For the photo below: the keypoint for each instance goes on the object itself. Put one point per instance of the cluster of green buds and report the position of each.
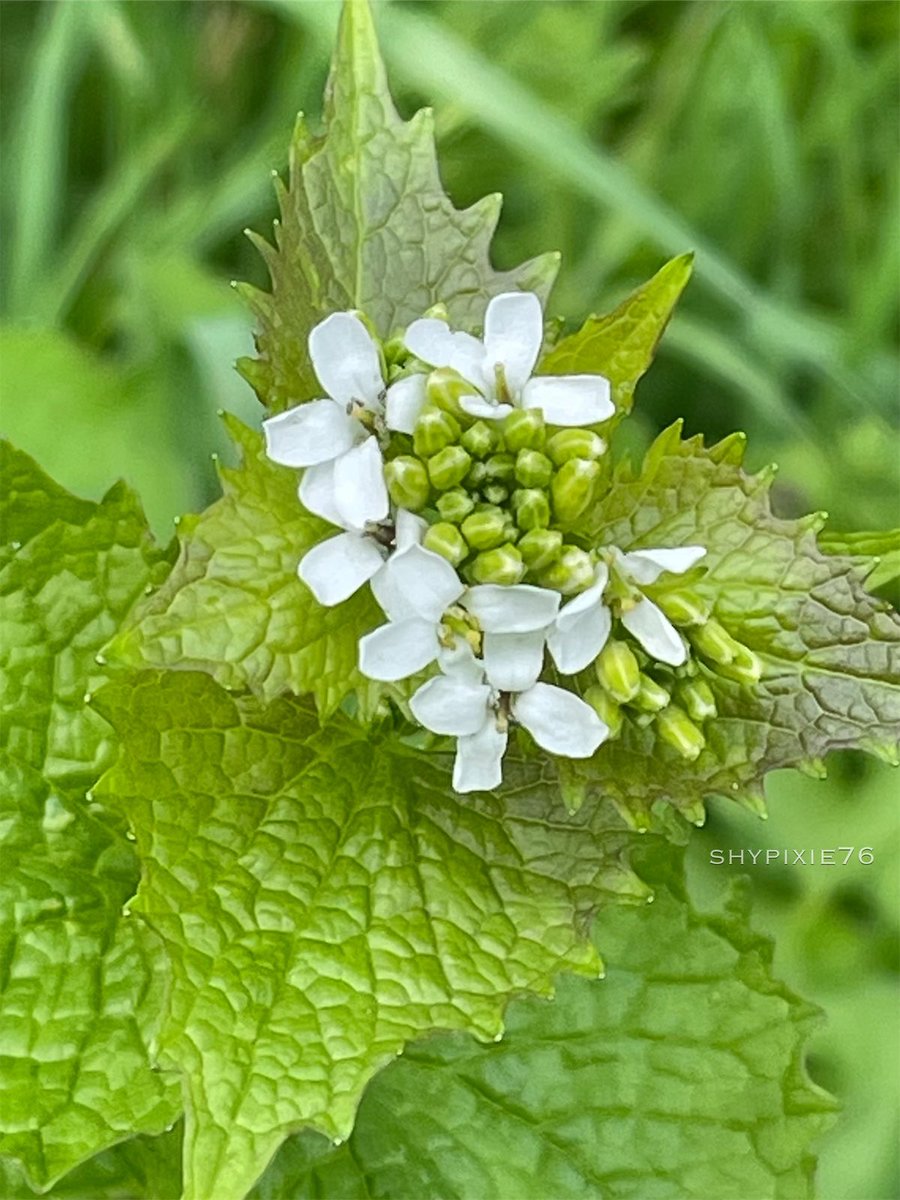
(499, 495)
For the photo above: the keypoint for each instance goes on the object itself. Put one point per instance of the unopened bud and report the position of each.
(407, 482)
(697, 697)
(455, 505)
(684, 607)
(443, 390)
(484, 530)
(575, 443)
(501, 468)
(618, 671)
(480, 439)
(571, 573)
(746, 667)
(540, 548)
(573, 488)
(496, 493)
(446, 540)
(434, 430)
(523, 429)
(676, 728)
(532, 508)
(533, 469)
(477, 476)
(503, 565)
(605, 708)
(448, 467)
(715, 642)
(651, 696)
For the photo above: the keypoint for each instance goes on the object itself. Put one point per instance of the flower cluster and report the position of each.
(458, 477)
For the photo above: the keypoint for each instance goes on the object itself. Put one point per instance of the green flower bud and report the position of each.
(533, 469)
(684, 607)
(480, 439)
(651, 697)
(407, 482)
(745, 667)
(573, 488)
(502, 565)
(446, 540)
(715, 642)
(523, 429)
(540, 548)
(477, 476)
(697, 697)
(532, 508)
(448, 467)
(395, 351)
(618, 671)
(455, 505)
(605, 708)
(501, 468)
(571, 573)
(484, 530)
(434, 430)
(496, 493)
(575, 443)
(676, 728)
(443, 390)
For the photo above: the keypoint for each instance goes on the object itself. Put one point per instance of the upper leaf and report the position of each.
(323, 899)
(365, 224)
(877, 553)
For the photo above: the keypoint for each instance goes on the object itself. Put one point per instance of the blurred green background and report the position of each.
(138, 140)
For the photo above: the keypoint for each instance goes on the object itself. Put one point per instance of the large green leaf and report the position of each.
(365, 223)
(80, 988)
(679, 1077)
(324, 898)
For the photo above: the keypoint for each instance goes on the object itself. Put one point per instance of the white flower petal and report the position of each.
(398, 649)
(646, 566)
(479, 757)
(438, 345)
(477, 406)
(346, 361)
(569, 399)
(310, 433)
(655, 632)
(513, 332)
(428, 582)
(451, 704)
(338, 567)
(409, 529)
(316, 493)
(559, 721)
(459, 659)
(517, 609)
(575, 643)
(586, 599)
(404, 402)
(360, 492)
(513, 661)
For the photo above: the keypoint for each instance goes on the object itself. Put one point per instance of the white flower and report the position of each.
(514, 622)
(500, 366)
(463, 704)
(583, 625)
(336, 568)
(344, 478)
(415, 588)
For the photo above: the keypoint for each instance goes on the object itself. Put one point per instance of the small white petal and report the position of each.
(310, 433)
(479, 757)
(655, 632)
(404, 402)
(316, 493)
(409, 529)
(575, 644)
(513, 332)
(436, 344)
(513, 661)
(428, 581)
(517, 609)
(451, 704)
(569, 399)
(588, 598)
(459, 659)
(360, 492)
(398, 649)
(646, 566)
(346, 361)
(559, 721)
(477, 406)
(338, 567)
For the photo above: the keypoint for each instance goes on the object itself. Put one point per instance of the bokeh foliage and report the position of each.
(137, 140)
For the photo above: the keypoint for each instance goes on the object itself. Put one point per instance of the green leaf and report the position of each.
(830, 651)
(679, 1077)
(876, 553)
(323, 898)
(80, 990)
(365, 224)
(621, 344)
(234, 606)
